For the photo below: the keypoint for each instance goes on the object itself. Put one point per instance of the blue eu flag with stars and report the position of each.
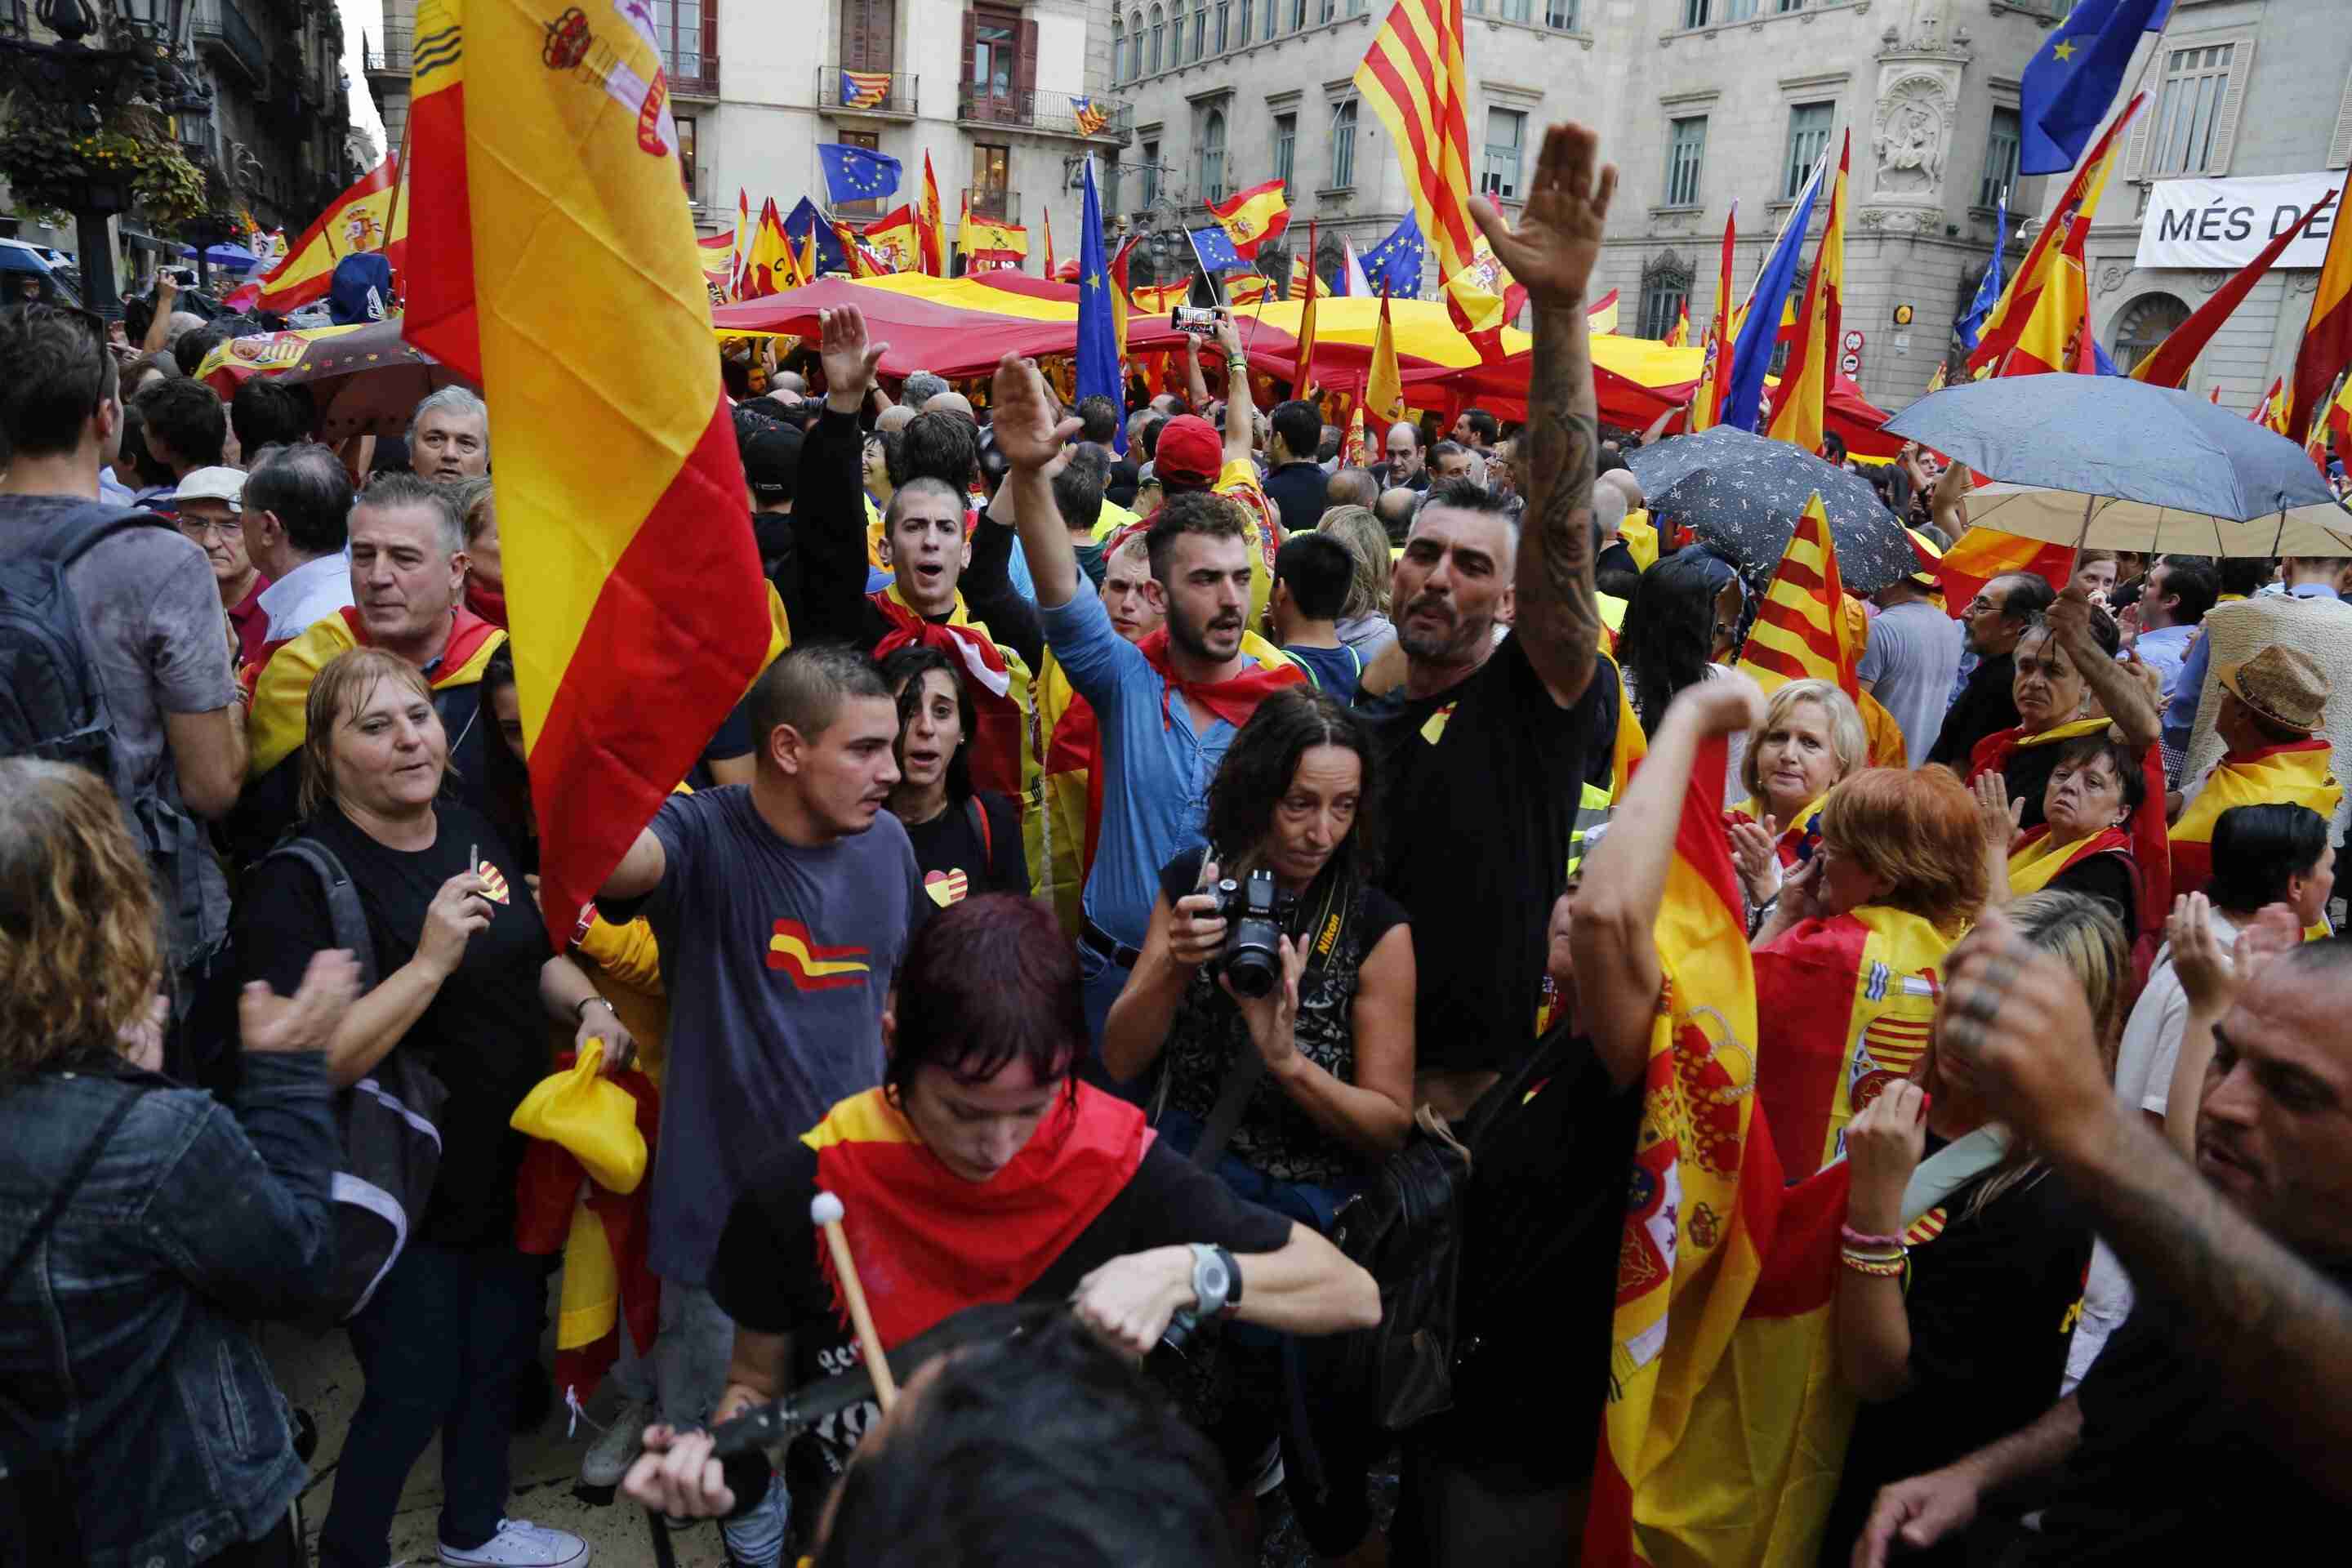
(1395, 262)
(1098, 329)
(2073, 77)
(1215, 252)
(856, 173)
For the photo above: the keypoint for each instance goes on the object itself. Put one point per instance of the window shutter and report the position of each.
(853, 35)
(2225, 134)
(1025, 80)
(970, 38)
(2135, 154)
(2339, 146)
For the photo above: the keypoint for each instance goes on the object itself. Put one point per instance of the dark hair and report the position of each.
(1320, 570)
(505, 796)
(1616, 579)
(1445, 448)
(185, 414)
(1351, 487)
(134, 452)
(1300, 425)
(987, 980)
(1262, 760)
(2257, 847)
(2244, 575)
(1078, 489)
(1668, 637)
(1466, 494)
(2028, 597)
(892, 440)
(2120, 757)
(1833, 446)
(1483, 425)
(306, 488)
(1000, 1463)
(193, 347)
(2195, 584)
(993, 463)
(1100, 418)
(1192, 511)
(903, 672)
(58, 371)
(1150, 440)
(806, 688)
(268, 411)
(936, 446)
(1327, 443)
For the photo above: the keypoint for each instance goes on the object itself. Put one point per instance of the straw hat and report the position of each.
(2284, 686)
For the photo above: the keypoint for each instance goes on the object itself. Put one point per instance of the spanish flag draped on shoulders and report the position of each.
(2144, 833)
(1800, 835)
(281, 678)
(1003, 752)
(2295, 772)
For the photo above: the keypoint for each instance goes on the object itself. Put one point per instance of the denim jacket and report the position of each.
(121, 1350)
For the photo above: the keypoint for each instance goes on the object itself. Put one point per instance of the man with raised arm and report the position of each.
(1489, 747)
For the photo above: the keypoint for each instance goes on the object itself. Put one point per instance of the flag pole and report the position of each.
(400, 178)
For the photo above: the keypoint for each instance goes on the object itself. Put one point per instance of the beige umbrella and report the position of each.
(2058, 517)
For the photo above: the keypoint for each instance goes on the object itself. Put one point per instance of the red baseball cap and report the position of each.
(1189, 454)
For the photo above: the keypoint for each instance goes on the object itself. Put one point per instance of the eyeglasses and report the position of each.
(195, 528)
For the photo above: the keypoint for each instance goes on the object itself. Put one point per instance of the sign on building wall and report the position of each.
(2222, 224)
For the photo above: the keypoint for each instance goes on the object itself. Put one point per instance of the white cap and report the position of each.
(214, 484)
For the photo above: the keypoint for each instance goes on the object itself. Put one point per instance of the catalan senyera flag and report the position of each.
(1252, 217)
(1384, 382)
(353, 222)
(2011, 311)
(895, 236)
(1355, 452)
(930, 236)
(2326, 348)
(1302, 370)
(618, 509)
(1801, 628)
(1414, 79)
(2299, 772)
(1982, 555)
(1714, 371)
(1678, 335)
(2168, 364)
(1803, 406)
(1724, 1430)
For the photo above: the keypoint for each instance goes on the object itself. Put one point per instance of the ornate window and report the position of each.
(1665, 289)
(1213, 156)
(2144, 323)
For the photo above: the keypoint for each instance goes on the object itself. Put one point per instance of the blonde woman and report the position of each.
(142, 1225)
(1811, 738)
(1364, 622)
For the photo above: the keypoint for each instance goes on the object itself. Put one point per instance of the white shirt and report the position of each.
(306, 596)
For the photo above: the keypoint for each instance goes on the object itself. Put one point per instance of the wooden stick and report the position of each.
(826, 1211)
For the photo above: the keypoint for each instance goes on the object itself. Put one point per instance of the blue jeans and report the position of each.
(440, 1345)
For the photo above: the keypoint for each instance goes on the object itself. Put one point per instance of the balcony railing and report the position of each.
(691, 75)
(387, 55)
(1054, 113)
(987, 201)
(222, 30)
(899, 97)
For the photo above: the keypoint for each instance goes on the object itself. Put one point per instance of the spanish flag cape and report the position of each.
(1803, 828)
(2296, 774)
(2151, 853)
(1849, 1002)
(1724, 1431)
(1003, 758)
(928, 1243)
(281, 689)
(2036, 862)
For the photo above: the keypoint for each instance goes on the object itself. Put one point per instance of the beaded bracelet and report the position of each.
(1876, 1267)
(1855, 1238)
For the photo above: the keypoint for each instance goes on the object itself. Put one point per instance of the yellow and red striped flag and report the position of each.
(1383, 382)
(1936, 381)
(1982, 555)
(2298, 772)
(1252, 217)
(1803, 406)
(1302, 371)
(1353, 451)
(768, 264)
(808, 256)
(353, 222)
(2168, 364)
(1414, 77)
(930, 239)
(894, 237)
(2017, 301)
(1715, 374)
(1302, 267)
(620, 511)
(2326, 348)
(1801, 627)
(1046, 216)
(2339, 424)
(1121, 300)
(1678, 335)
(863, 89)
(2272, 410)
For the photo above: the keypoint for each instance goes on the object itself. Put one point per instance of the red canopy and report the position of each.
(949, 326)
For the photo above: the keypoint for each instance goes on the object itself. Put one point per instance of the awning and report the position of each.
(949, 326)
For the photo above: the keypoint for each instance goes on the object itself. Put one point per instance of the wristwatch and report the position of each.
(1216, 1281)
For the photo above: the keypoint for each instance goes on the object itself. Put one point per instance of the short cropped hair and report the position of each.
(1300, 425)
(308, 488)
(58, 373)
(1483, 425)
(988, 981)
(920, 485)
(1192, 511)
(187, 416)
(456, 400)
(1352, 487)
(806, 688)
(936, 446)
(2256, 848)
(1099, 417)
(1318, 571)
(269, 411)
(920, 387)
(1078, 489)
(387, 490)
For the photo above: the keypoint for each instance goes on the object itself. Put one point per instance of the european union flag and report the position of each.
(856, 173)
(2073, 77)
(1752, 353)
(1215, 252)
(804, 216)
(1097, 355)
(1987, 287)
(1395, 262)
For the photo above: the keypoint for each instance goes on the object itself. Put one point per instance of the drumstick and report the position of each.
(825, 1211)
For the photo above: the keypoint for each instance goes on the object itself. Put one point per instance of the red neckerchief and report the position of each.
(1233, 698)
(491, 603)
(467, 633)
(908, 628)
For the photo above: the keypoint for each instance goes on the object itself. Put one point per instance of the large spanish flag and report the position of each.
(362, 219)
(1253, 216)
(1805, 385)
(2014, 308)
(1715, 371)
(2295, 773)
(1724, 1430)
(631, 569)
(1985, 554)
(2327, 338)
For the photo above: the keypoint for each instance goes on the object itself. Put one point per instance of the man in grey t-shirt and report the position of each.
(782, 910)
(1913, 652)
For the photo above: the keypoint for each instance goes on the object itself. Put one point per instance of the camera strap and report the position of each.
(1248, 1064)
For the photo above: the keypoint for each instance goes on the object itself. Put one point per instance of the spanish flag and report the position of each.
(2295, 773)
(1714, 371)
(2326, 348)
(1384, 383)
(987, 240)
(1985, 554)
(2272, 409)
(930, 236)
(2168, 364)
(1122, 300)
(1678, 335)
(2065, 234)
(1725, 1429)
(1805, 385)
(355, 221)
(1302, 371)
(1252, 217)
(769, 266)
(895, 236)
(631, 567)
(1046, 216)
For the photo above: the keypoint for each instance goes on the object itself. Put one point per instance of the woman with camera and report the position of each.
(1275, 990)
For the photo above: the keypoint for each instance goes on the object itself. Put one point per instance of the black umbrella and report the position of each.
(2111, 435)
(1743, 494)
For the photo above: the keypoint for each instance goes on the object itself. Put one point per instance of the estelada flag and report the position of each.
(1724, 1430)
(353, 222)
(1252, 217)
(1985, 554)
(632, 569)
(2295, 773)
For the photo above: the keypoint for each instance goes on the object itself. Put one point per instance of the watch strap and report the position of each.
(1232, 1280)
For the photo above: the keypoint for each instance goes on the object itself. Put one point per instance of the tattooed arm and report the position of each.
(1551, 254)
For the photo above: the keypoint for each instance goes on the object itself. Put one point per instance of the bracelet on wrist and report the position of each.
(1876, 1266)
(580, 1009)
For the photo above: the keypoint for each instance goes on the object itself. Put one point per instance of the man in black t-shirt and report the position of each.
(982, 1172)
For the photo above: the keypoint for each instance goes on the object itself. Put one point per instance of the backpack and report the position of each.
(1404, 1228)
(52, 703)
(389, 1122)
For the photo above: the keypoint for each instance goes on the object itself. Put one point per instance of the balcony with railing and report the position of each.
(988, 201)
(692, 73)
(1083, 115)
(387, 56)
(223, 31)
(893, 100)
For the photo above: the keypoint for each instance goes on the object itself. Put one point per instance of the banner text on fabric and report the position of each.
(2222, 224)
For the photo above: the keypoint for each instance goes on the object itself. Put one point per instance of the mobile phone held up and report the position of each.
(1200, 321)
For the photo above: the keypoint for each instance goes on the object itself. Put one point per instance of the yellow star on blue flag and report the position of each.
(2070, 81)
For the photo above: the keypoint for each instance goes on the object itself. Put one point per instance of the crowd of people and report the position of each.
(1156, 828)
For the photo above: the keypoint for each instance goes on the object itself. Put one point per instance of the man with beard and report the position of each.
(1165, 709)
(1487, 746)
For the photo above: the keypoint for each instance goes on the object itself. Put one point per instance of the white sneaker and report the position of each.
(521, 1544)
(609, 1457)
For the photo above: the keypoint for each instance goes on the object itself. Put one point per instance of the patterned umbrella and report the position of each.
(1743, 493)
(367, 378)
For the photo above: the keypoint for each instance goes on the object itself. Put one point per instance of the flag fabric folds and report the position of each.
(896, 237)
(1351, 282)
(1215, 253)
(1714, 370)
(2168, 364)
(621, 511)
(1099, 351)
(1046, 217)
(1302, 373)
(2272, 409)
(863, 89)
(1383, 382)
(804, 222)
(2339, 425)
(1301, 269)
(2297, 773)
(1088, 116)
(1804, 405)
(355, 221)
(2326, 348)
(931, 236)
(1600, 317)
(1678, 335)
(1752, 348)
(1122, 299)
(1983, 553)
(1252, 217)
(1971, 325)
(855, 174)
(2073, 76)
(768, 262)
(1801, 627)
(986, 240)
(2011, 311)
(1394, 264)
(1414, 79)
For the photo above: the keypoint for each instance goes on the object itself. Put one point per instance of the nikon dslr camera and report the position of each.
(1256, 913)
